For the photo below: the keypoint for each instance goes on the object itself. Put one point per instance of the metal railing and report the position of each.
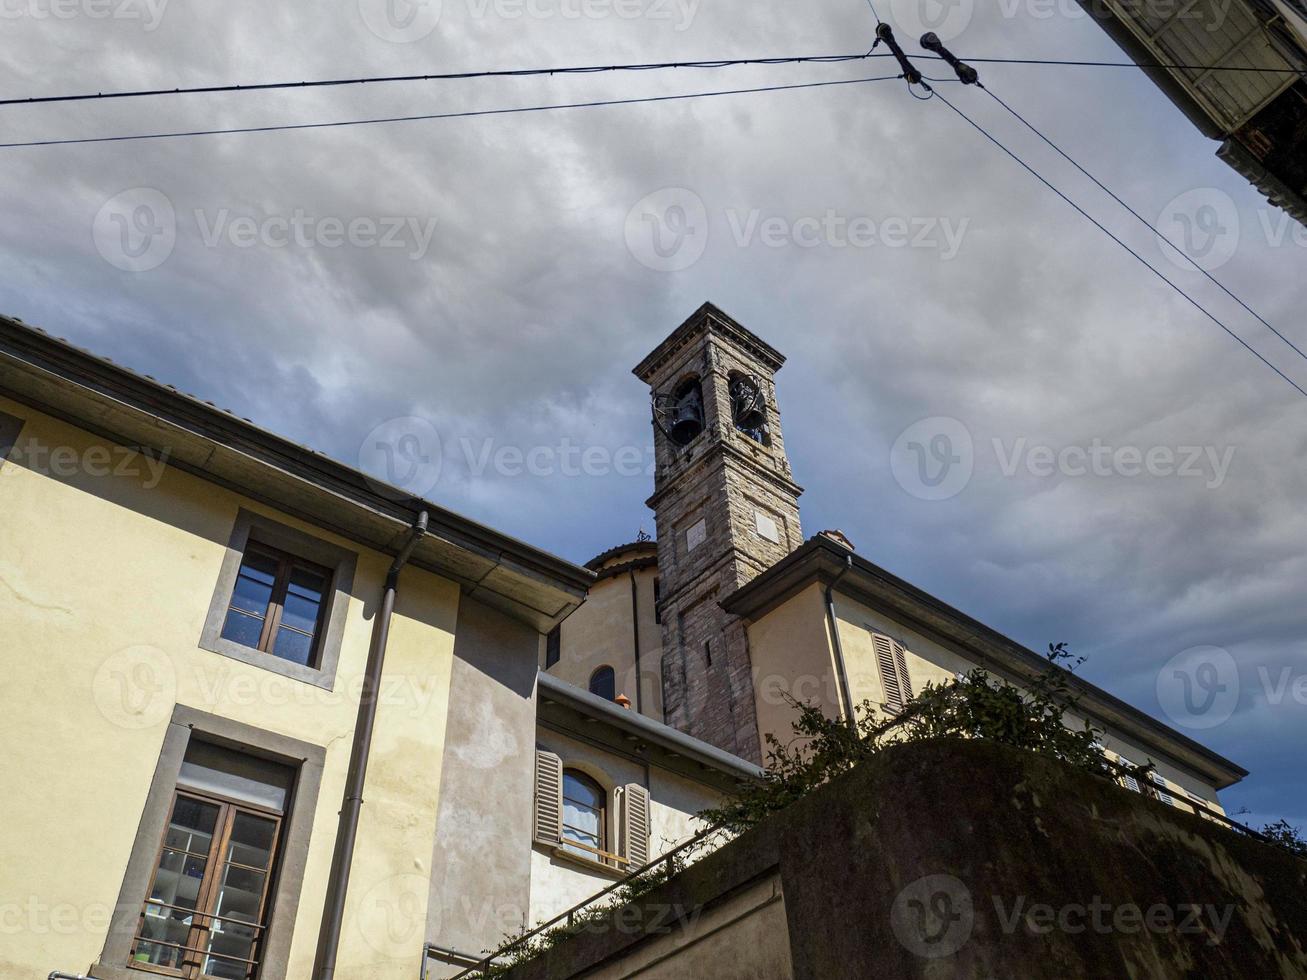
(570, 915)
(1146, 786)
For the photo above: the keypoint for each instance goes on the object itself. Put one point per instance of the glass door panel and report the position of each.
(168, 916)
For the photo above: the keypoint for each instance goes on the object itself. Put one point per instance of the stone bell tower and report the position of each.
(726, 509)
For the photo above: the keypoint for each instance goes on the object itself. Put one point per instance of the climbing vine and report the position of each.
(973, 705)
(1036, 717)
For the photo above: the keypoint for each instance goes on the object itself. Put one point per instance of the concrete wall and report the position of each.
(744, 937)
(963, 858)
(600, 633)
(105, 582)
(481, 869)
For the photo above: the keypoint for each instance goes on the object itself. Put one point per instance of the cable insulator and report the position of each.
(966, 74)
(886, 33)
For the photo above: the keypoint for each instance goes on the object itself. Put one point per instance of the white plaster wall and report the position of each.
(557, 882)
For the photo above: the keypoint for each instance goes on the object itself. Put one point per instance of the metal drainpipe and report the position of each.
(635, 626)
(338, 883)
(845, 695)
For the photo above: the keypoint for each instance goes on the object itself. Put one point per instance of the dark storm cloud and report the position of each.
(515, 324)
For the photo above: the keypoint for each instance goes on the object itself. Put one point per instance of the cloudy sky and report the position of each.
(988, 396)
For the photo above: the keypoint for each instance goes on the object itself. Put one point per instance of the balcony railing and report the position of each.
(569, 917)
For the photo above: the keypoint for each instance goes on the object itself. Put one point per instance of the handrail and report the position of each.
(1149, 788)
(564, 844)
(206, 915)
(570, 914)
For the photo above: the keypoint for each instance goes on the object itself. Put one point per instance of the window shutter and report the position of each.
(1160, 782)
(901, 662)
(549, 798)
(1129, 782)
(635, 825)
(889, 671)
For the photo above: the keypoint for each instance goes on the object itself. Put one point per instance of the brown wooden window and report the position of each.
(277, 604)
(205, 914)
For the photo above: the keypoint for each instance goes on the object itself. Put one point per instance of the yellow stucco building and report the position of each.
(264, 716)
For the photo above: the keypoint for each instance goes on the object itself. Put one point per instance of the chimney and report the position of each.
(839, 538)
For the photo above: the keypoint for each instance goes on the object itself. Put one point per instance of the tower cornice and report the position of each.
(709, 318)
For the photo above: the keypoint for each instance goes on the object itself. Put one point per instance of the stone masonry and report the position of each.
(726, 509)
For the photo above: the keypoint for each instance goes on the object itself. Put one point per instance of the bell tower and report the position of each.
(726, 509)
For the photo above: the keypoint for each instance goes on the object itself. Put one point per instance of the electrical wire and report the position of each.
(1144, 221)
(448, 115)
(1101, 227)
(1302, 73)
(594, 69)
(827, 59)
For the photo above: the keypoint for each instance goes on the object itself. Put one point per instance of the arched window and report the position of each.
(585, 815)
(603, 682)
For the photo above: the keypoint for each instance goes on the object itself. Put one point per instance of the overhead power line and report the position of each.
(829, 59)
(1101, 227)
(449, 115)
(1135, 64)
(1146, 223)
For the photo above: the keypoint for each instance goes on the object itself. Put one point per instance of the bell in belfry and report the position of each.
(748, 404)
(687, 417)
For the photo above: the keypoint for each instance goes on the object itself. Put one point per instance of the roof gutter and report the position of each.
(553, 689)
(820, 559)
(342, 859)
(114, 402)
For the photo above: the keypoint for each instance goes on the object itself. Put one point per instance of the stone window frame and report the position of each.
(342, 563)
(10, 428)
(305, 758)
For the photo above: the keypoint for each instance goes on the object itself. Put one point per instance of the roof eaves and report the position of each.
(820, 559)
(28, 352)
(625, 720)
